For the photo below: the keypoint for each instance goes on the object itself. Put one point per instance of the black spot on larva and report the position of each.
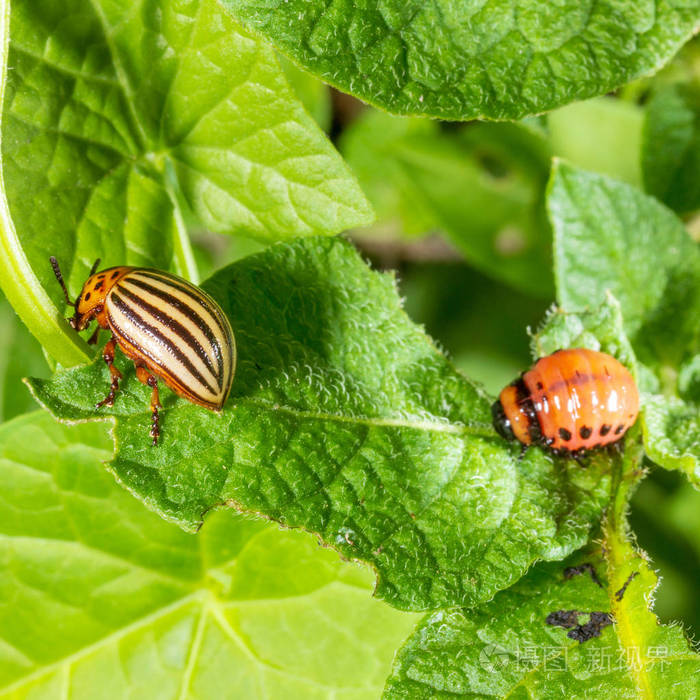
(100, 277)
(87, 296)
(564, 434)
(605, 429)
(540, 386)
(115, 274)
(585, 432)
(619, 428)
(98, 286)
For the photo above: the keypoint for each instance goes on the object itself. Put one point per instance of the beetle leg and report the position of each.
(145, 377)
(108, 357)
(92, 340)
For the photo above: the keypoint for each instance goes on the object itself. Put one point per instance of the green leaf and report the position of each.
(689, 379)
(372, 145)
(345, 420)
(20, 355)
(603, 135)
(314, 95)
(455, 60)
(610, 236)
(109, 600)
(505, 648)
(482, 185)
(599, 329)
(117, 115)
(578, 629)
(672, 433)
(671, 147)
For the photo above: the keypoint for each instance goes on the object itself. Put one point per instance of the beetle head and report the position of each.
(84, 305)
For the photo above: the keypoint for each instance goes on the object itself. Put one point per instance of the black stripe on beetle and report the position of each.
(170, 322)
(180, 356)
(187, 311)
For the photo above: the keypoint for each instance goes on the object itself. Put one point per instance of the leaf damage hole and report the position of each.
(568, 619)
(621, 592)
(572, 571)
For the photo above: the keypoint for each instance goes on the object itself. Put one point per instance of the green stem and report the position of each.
(184, 256)
(18, 281)
(624, 561)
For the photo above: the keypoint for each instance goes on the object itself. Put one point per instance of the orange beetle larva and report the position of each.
(171, 329)
(570, 401)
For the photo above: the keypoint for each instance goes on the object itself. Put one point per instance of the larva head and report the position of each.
(91, 300)
(501, 422)
(510, 417)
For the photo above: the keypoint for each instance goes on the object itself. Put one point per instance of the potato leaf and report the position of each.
(575, 629)
(672, 433)
(671, 147)
(598, 329)
(603, 135)
(610, 236)
(550, 636)
(502, 59)
(118, 116)
(104, 599)
(346, 421)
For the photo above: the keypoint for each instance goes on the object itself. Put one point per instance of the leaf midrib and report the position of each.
(103, 641)
(121, 74)
(210, 606)
(477, 429)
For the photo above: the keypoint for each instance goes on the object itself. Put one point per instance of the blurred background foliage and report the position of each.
(461, 221)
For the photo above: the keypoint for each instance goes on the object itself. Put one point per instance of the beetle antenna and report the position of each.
(59, 277)
(94, 267)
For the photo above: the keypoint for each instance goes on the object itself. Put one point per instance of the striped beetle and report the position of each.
(171, 329)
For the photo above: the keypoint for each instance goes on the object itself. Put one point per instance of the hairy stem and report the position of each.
(18, 281)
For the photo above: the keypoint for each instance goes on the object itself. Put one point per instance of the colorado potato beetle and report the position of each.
(570, 401)
(171, 329)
